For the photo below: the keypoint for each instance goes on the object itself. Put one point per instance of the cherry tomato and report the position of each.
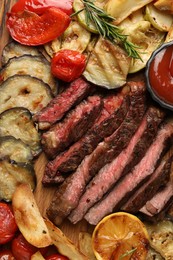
(56, 257)
(6, 255)
(21, 249)
(8, 225)
(39, 6)
(31, 29)
(68, 65)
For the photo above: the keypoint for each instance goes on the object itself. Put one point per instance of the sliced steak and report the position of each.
(58, 106)
(69, 193)
(111, 172)
(104, 126)
(73, 127)
(131, 181)
(159, 201)
(159, 178)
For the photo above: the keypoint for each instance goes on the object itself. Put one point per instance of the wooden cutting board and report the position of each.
(43, 195)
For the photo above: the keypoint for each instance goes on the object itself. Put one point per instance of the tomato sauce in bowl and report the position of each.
(159, 75)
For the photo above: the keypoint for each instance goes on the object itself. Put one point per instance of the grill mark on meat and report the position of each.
(58, 106)
(73, 127)
(110, 173)
(132, 180)
(68, 194)
(104, 126)
(159, 201)
(159, 178)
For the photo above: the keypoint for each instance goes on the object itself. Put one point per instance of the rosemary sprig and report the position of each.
(104, 26)
(128, 253)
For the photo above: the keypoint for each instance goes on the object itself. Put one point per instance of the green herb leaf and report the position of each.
(127, 253)
(104, 26)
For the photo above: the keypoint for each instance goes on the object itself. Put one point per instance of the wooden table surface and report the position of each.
(43, 195)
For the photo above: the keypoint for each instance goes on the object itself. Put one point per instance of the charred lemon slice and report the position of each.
(120, 236)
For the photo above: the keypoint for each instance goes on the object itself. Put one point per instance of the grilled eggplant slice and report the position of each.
(15, 150)
(35, 66)
(15, 49)
(18, 122)
(26, 91)
(11, 175)
(108, 65)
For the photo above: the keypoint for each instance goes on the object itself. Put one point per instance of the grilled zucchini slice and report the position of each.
(15, 150)
(75, 37)
(108, 65)
(15, 49)
(18, 122)
(26, 91)
(11, 175)
(35, 66)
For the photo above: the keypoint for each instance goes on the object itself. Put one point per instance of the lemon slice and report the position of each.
(160, 20)
(120, 236)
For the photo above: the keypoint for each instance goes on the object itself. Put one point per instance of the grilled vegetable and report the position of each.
(35, 66)
(11, 175)
(52, 47)
(160, 20)
(75, 37)
(108, 65)
(146, 37)
(122, 8)
(26, 91)
(14, 49)
(18, 122)
(164, 5)
(15, 150)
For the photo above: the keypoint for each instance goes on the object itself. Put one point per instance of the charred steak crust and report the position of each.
(68, 194)
(131, 181)
(112, 172)
(155, 116)
(158, 179)
(73, 127)
(58, 106)
(158, 205)
(71, 158)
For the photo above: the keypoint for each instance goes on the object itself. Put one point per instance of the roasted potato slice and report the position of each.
(63, 244)
(15, 49)
(14, 149)
(85, 245)
(35, 66)
(11, 175)
(26, 91)
(28, 217)
(18, 122)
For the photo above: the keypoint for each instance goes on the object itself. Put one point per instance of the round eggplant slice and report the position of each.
(13, 174)
(24, 91)
(15, 150)
(15, 49)
(35, 66)
(18, 122)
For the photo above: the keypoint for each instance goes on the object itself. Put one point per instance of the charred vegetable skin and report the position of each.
(11, 175)
(18, 123)
(34, 66)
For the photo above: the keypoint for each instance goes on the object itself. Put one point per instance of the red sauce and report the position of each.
(161, 74)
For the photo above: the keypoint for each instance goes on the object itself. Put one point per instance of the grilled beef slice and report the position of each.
(131, 181)
(105, 125)
(159, 178)
(110, 173)
(73, 127)
(68, 194)
(58, 106)
(159, 201)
